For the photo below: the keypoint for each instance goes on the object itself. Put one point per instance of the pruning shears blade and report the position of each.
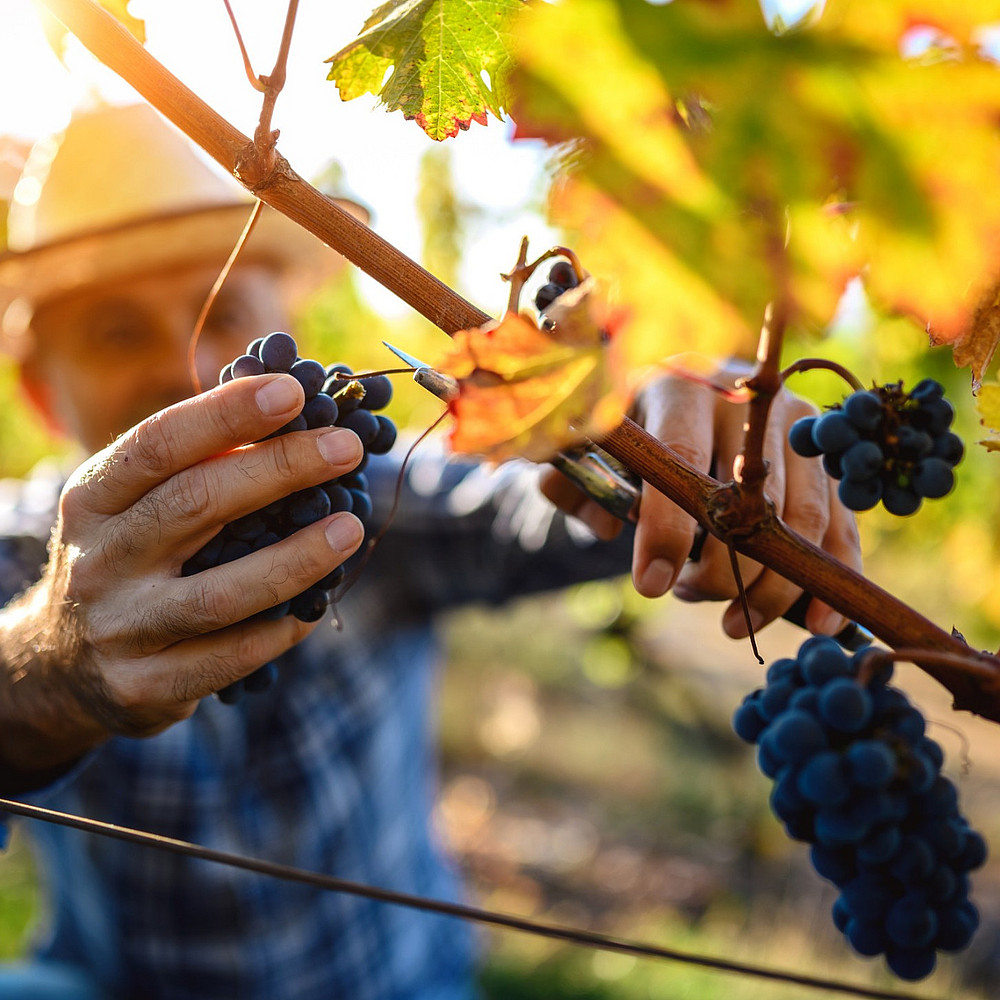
(441, 385)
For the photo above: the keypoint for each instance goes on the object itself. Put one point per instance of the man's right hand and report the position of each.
(113, 639)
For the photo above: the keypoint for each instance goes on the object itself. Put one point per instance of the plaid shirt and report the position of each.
(332, 770)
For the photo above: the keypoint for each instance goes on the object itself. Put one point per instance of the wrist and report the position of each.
(44, 725)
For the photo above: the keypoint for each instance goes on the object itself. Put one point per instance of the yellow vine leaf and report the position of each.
(988, 405)
(528, 392)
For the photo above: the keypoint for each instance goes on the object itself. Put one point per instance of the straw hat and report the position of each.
(122, 192)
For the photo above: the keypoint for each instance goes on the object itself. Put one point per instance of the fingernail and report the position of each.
(278, 396)
(657, 577)
(344, 533)
(339, 446)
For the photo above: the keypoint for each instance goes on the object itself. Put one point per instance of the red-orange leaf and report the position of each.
(528, 392)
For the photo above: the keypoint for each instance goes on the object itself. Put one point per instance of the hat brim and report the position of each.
(205, 236)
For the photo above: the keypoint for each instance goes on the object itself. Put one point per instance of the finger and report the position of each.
(177, 517)
(573, 501)
(224, 595)
(842, 542)
(711, 578)
(223, 418)
(681, 417)
(145, 698)
(807, 506)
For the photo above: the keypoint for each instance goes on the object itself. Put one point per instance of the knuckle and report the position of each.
(213, 602)
(189, 497)
(286, 457)
(692, 454)
(151, 445)
(810, 515)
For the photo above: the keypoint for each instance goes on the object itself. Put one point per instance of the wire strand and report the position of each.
(590, 939)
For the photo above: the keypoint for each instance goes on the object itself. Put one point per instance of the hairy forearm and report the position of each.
(44, 729)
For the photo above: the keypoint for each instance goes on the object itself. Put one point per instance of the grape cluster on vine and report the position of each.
(333, 397)
(885, 444)
(562, 278)
(856, 776)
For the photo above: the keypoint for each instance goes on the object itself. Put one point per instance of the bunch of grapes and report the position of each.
(333, 397)
(562, 278)
(885, 444)
(856, 776)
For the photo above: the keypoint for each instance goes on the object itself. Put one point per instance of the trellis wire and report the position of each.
(588, 939)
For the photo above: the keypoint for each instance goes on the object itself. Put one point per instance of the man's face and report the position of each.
(109, 356)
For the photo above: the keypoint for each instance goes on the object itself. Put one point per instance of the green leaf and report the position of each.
(427, 58)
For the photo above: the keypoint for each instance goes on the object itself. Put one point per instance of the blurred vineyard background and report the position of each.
(590, 776)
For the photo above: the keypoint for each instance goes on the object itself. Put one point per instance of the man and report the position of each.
(110, 658)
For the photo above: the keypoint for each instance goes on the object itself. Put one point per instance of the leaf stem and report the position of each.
(255, 81)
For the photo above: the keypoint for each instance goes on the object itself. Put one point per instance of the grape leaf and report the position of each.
(988, 404)
(528, 392)
(427, 58)
(728, 167)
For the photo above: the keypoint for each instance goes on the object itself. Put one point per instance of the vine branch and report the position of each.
(715, 506)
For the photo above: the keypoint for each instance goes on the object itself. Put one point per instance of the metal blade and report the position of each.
(403, 356)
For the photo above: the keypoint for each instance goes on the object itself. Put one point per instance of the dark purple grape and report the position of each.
(310, 605)
(308, 506)
(378, 392)
(546, 295)
(310, 375)
(859, 495)
(833, 432)
(561, 273)
(364, 423)
(362, 505)
(862, 461)
(386, 437)
(247, 365)
(864, 410)
(801, 439)
(320, 411)
(948, 446)
(933, 478)
(278, 352)
(900, 500)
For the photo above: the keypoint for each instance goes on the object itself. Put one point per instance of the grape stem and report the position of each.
(754, 529)
(812, 364)
(522, 271)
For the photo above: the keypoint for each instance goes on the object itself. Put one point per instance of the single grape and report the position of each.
(378, 392)
(546, 295)
(561, 273)
(800, 437)
(247, 365)
(862, 461)
(278, 352)
(859, 495)
(933, 478)
(833, 432)
(864, 410)
(310, 375)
